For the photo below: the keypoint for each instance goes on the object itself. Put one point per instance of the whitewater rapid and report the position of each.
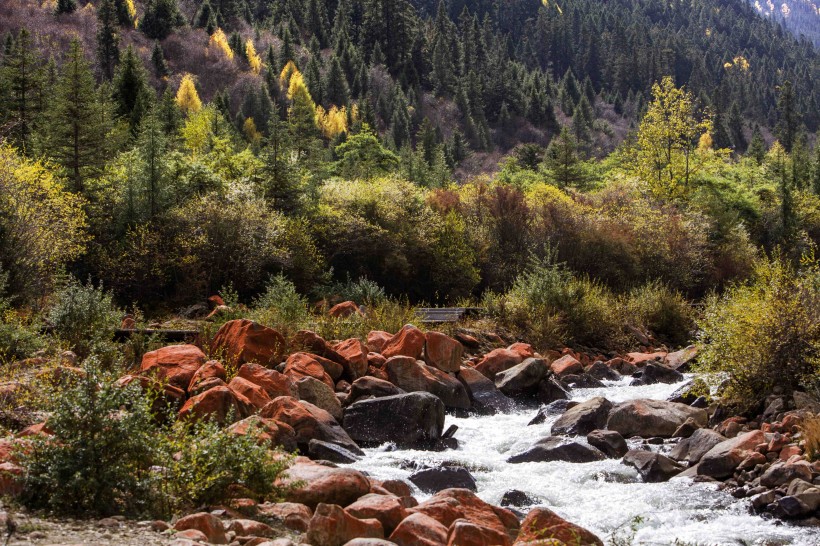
(602, 496)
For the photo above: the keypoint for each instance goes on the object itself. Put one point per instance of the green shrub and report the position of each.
(18, 338)
(764, 333)
(389, 315)
(84, 316)
(362, 291)
(281, 307)
(661, 310)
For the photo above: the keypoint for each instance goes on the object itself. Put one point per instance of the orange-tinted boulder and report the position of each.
(309, 422)
(345, 309)
(175, 364)
(295, 516)
(311, 342)
(244, 341)
(355, 353)
(444, 510)
(388, 509)
(477, 511)
(442, 352)
(273, 382)
(498, 360)
(301, 365)
(566, 365)
(419, 530)
(267, 431)
(249, 527)
(466, 533)
(640, 359)
(219, 404)
(212, 368)
(215, 301)
(409, 341)
(332, 526)
(375, 360)
(543, 523)
(253, 392)
(524, 350)
(324, 484)
(207, 524)
(377, 339)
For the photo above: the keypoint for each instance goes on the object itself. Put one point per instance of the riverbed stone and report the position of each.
(433, 480)
(542, 524)
(388, 509)
(309, 422)
(419, 530)
(415, 376)
(657, 372)
(442, 352)
(409, 419)
(555, 448)
(781, 473)
(609, 442)
(466, 533)
(320, 395)
(647, 418)
(722, 460)
(485, 397)
(522, 379)
(324, 484)
(583, 418)
(331, 525)
(693, 448)
(556, 407)
(498, 360)
(653, 467)
(551, 389)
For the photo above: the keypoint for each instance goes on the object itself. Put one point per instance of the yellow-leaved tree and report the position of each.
(220, 42)
(332, 122)
(253, 57)
(187, 97)
(668, 136)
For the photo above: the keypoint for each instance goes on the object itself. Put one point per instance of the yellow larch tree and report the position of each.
(253, 57)
(220, 41)
(187, 97)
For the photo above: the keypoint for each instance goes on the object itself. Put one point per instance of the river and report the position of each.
(602, 496)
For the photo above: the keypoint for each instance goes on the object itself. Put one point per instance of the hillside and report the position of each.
(800, 17)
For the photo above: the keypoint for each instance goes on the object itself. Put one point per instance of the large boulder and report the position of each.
(366, 387)
(542, 524)
(693, 448)
(273, 382)
(466, 533)
(294, 516)
(419, 530)
(522, 378)
(175, 364)
(497, 361)
(318, 483)
(409, 341)
(551, 389)
(253, 392)
(320, 395)
(266, 431)
(465, 504)
(653, 467)
(722, 460)
(207, 524)
(442, 352)
(409, 419)
(783, 472)
(433, 480)
(554, 448)
(647, 418)
(609, 442)
(331, 525)
(314, 344)
(657, 372)
(345, 309)
(566, 365)
(301, 365)
(583, 418)
(485, 397)
(244, 341)
(415, 376)
(355, 355)
(209, 370)
(220, 404)
(309, 422)
(388, 509)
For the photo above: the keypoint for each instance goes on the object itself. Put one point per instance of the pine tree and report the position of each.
(78, 121)
(158, 61)
(131, 92)
(562, 162)
(168, 113)
(21, 71)
(313, 79)
(66, 6)
(279, 180)
(161, 17)
(336, 90)
(108, 40)
(316, 20)
(757, 148)
(152, 146)
(815, 181)
(302, 118)
(735, 125)
(720, 138)
(124, 15)
(286, 53)
(788, 120)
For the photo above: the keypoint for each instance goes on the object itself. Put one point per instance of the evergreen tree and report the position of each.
(205, 17)
(168, 113)
(562, 162)
(24, 82)
(316, 20)
(313, 79)
(720, 138)
(302, 120)
(131, 92)
(108, 40)
(336, 90)
(815, 181)
(152, 150)
(158, 61)
(788, 121)
(66, 6)
(161, 17)
(757, 148)
(124, 16)
(78, 121)
(735, 125)
(278, 178)
(286, 53)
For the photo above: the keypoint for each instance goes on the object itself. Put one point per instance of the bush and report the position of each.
(18, 338)
(362, 291)
(84, 316)
(281, 307)
(810, 428)
(388, 315)
(662, 311)
(765, 333)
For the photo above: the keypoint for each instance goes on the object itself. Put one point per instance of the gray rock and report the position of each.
(523, 378)
(554, 448)
(514, 497)
(582, 381)
(647, 418)
(371, 386)
(319, 450)
(781, 473)
(693, 448)
(409, 419)
(583, 418)
(320, 395)
(792, 507)
(552, 409)
(486, 398)
(722, 460)
(806, 402)
(653, 467)
(599, 370)
(433, 480)
(656, 372)
(609, 442)
(550, 390)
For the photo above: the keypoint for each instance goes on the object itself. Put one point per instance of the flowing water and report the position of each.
(602, 496)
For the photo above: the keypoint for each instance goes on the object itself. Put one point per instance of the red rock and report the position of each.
(128, 323)
(244, 341)
(397, 487)
(524, 350)
(212, 368)
(467, 340)
(273, 382)
(409, 341)
(444, 510)
(377, 339)
(7, 450)
(217, 403)
(295, 516)
(267, 431)
(37, 429)
(208, 524)
(308, 421)
(215, 301)
(378, 373)
(191, 534)
(566, 365)
(333, 526)
(247, 507)
(788, 451)
(249, 527)
(307, 341)
(443, 352)
(543, 523)
(301, 365)
(205, 385)
(790, 421)
(622, 366)
(175, 364)
(640, 359)
(476, 510)
(324, 484)
(388, 509)
(11, 482)
(419, 530)
(253, 392)
(376, 360)
(345, 309)
(496, 361)
(467, 533)
(355, 353)
(332, 368)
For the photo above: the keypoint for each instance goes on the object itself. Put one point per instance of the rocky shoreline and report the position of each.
(331, 400)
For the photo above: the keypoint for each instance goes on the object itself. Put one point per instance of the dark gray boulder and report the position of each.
(371, 386)
(433, 480)
(552, 409)
(609, 442)
(653, 467)
(410, 419)
(583, 418)
(522, 379)
(485, 396)
(554, 448)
